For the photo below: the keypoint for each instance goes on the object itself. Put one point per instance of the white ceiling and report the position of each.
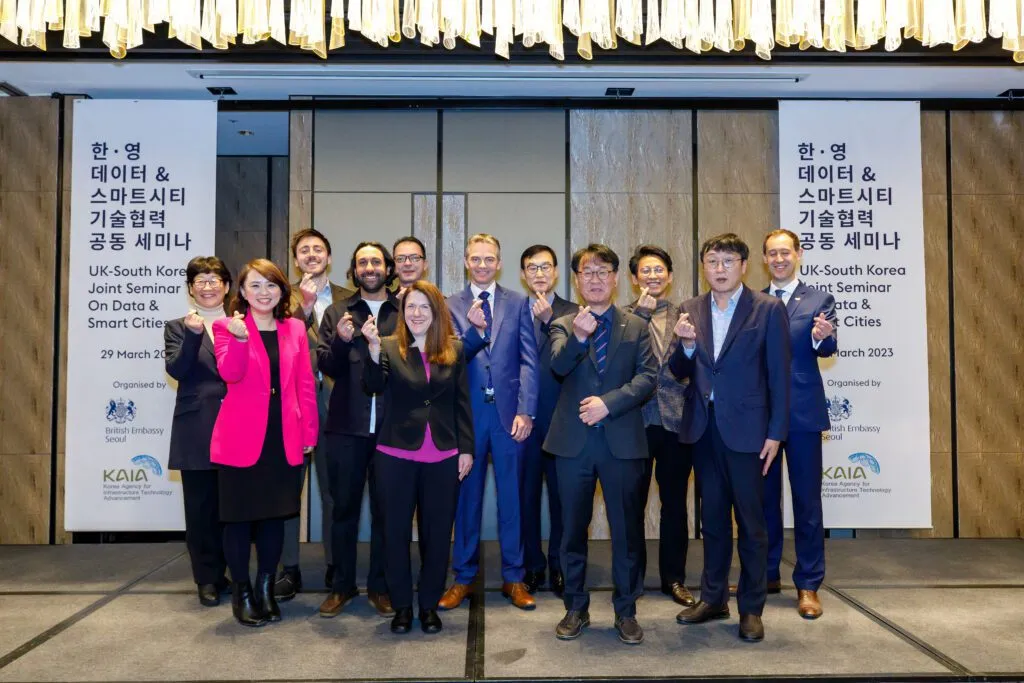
(181, 80)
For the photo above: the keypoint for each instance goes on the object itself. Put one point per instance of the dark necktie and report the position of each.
(485, 298)
(600, 341)
(779, 292)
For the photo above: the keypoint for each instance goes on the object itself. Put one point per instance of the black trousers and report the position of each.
(730, 481)
(671, 463)
(204, 533)
(349, 466)
(267, 534)
(620, 487)
(539, 465)
(432, 489)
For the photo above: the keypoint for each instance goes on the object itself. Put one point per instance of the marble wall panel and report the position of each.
(987, 152)
(936, 247)
(991, 504)
(738, 152)
(300, 151)
(748, 215)
(424, 228)
(25, 498)
(631, 151)
(280, 251)
(987, 243)
(933, 152)
(242, 186)
(452, 272)
(28, 144)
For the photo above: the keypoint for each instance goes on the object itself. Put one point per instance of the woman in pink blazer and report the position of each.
(267, 421)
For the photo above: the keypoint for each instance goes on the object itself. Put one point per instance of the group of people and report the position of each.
(393, 385)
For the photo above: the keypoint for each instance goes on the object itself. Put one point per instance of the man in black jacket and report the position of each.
(597, 432)
(352, 421)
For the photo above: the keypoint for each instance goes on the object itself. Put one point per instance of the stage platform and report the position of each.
(895, 610)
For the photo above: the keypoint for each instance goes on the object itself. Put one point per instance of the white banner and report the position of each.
(143, 193)
(850, 187)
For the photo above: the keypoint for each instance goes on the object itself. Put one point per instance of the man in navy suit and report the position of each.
(812, 330)
(497, 332)
(539, 267)
(734, 350)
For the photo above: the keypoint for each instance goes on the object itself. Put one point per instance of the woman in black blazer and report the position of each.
(424, 445)
(189, 358)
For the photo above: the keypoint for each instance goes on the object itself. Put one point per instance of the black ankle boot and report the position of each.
(245, 609)
(264, 594)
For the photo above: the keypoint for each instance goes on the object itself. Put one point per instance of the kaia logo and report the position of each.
(856, 470)
(144, 466)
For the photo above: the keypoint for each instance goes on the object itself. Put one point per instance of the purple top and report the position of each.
(428, 452)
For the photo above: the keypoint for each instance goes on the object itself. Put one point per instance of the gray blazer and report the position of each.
(668, 397)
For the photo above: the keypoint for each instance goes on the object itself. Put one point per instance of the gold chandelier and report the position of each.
(695, 25)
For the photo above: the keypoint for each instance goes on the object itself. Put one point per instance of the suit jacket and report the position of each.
(189, 359)
(750, 378)
(628, 380)
(669, 392)
(807, 409)
(411, 402)
(511, 353)
(337, 294)
(549, 384)
(242, 422)
(349, 408)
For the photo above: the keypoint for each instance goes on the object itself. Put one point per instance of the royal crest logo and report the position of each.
(839, 408)
(120, 411)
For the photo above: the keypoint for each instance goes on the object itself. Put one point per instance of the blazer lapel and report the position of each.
(703, 324)
(796, 299)
(285, 357)
(743, 308)
(258, 351)
(497, 311)
(618, 329)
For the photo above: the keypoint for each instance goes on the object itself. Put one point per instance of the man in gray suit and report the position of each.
(650, 268)
(597, 434)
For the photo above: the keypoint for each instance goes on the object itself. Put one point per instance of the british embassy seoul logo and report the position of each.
(839, 408)
(120, 411)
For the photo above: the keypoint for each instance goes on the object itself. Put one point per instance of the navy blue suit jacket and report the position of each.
(750, 378)
(807, 409)
(511, 353)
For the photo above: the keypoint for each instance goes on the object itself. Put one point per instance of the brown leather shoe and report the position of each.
(774, 588)
(518, 595)
(382, 603)
(679, 593)
(335, 602)
(808, 604)
(751, 628)
(454, 596)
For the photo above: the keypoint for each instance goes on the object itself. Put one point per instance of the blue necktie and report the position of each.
(600, 341)
(779, 292)
(485, 298)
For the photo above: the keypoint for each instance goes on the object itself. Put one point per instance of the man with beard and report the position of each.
(310, 298)
(352, 422)
(410, 262)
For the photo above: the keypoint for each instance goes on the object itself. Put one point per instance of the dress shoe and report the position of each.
(244, 607)
(329, 576)
(454, 596)
(289, 582)
(772, 588)
(335, 602)
(223, 585)
(402, 622)
(557, 583)
(209, 596)
(751, 628)
(381, 602)
(533, 581)
(429, 621)
(572, 624)
(702, 612)
(808, 604)
(679, 594)
(629, 630)
(517, 594)
(263, 592)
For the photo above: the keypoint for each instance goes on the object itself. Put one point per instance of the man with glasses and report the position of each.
(734, 352)
(539, 269)
(311, 296)
(410, 262)
(604, 356)
(651, 270)
(497, 333)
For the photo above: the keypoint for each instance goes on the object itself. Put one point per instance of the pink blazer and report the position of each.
(242, 422)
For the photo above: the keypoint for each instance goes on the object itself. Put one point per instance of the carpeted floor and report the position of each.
(895, 610)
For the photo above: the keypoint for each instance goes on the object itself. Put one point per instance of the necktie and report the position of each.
(779, 292)
(485, 298)
(600, 341)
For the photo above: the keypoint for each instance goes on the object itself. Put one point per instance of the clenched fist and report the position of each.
(346, 328)
(476, 317)
(646, 302)
(371, 334)
(685, 330)
(542, 309)
(194, 321)
(237, 327)
(822, 328)
(584, 324)
(308, 289)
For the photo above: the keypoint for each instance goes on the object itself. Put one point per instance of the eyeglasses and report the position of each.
(656, 270)
(727, 263)
(601, 274)
(533, 268)
(412, 258)
(212, 283)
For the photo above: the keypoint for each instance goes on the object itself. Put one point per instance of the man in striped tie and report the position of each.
(597, 434)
